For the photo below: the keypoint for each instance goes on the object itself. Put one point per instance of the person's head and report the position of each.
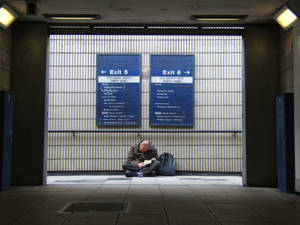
(144, 146)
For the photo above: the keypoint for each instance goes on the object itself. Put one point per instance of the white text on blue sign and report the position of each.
(175, 72)
(115, 72)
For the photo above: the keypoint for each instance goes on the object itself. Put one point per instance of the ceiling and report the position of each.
(153, 11)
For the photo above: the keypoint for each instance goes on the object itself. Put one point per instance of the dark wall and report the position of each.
(29, 87)
(294, 5)
(29, 65)
(286, 58)
(5, 59)
(261, 88)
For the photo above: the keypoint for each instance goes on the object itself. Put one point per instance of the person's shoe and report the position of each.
(129, 173)
(150, 174)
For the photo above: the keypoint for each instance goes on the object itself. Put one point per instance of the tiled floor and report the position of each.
(151, 201)
(160, 180)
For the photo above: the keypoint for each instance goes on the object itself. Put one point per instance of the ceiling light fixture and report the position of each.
(72, 17)
(217, 18)
(7, 16)
(285, 17)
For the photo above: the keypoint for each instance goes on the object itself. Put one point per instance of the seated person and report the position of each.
(142, 157)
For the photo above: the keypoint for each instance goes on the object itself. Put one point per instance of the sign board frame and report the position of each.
(172, 90)
(118, 91)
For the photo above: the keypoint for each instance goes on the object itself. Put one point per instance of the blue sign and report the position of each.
(172, 90)
(118, 90)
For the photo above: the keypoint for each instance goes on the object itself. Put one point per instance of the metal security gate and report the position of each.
(214, 144)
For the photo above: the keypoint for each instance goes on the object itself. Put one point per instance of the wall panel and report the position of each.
(72, 103)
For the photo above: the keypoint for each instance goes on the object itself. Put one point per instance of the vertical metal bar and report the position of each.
(73, 99)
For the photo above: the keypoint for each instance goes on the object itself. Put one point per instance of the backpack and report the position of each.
(167, 164)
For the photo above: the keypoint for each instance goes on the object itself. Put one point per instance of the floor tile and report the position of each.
(92, 219)
(235, 212)
(142, 219)
(145, 207)
(184, 200)
(247, 223)
(195, 219)
(41, 217)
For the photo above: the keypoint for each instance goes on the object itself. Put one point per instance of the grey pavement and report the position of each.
(178, 200)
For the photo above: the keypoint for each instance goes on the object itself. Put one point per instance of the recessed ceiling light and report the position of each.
(285, 17)
(7, 16)
(216, 18)
(72, 17)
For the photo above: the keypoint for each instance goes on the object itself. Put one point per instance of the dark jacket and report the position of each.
(135, 156)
